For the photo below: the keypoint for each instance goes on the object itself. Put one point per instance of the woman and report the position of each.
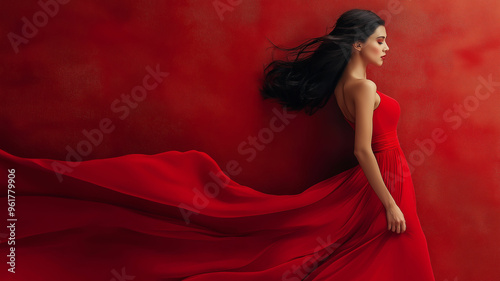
(338, 66)
(305, 84)
(178, 216)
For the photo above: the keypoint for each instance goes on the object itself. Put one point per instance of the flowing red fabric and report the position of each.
(178, 216)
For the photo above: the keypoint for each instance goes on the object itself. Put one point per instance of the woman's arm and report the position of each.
(364, 93)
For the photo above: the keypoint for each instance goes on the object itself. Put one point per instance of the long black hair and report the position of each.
(308, 82)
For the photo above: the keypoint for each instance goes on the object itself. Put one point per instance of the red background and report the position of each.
(66, 77)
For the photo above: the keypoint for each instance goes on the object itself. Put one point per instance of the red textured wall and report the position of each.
(74, 80)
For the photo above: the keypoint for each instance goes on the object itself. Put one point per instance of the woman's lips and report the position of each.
(383, 57)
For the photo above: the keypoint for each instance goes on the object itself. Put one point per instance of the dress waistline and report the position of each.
(385, 141)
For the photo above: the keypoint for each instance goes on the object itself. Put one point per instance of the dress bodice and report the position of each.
(385, 122)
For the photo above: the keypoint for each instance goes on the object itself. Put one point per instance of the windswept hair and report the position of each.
(308, 81)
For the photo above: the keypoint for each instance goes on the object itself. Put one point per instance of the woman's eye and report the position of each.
(380, 43)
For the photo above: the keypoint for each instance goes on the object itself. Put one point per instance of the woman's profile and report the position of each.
(179, 216)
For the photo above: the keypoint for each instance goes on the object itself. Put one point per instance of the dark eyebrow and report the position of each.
(381, 37)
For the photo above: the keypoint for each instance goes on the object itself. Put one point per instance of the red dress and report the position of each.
(177, 216)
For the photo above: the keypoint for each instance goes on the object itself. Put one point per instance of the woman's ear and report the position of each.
(357, 45)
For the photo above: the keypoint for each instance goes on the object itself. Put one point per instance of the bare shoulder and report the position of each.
(360, 88)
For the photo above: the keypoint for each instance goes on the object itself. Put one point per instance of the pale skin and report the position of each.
(361, 100)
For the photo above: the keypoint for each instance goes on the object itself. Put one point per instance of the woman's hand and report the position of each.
(395, 219)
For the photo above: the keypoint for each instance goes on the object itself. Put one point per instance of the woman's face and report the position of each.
(375, 47)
